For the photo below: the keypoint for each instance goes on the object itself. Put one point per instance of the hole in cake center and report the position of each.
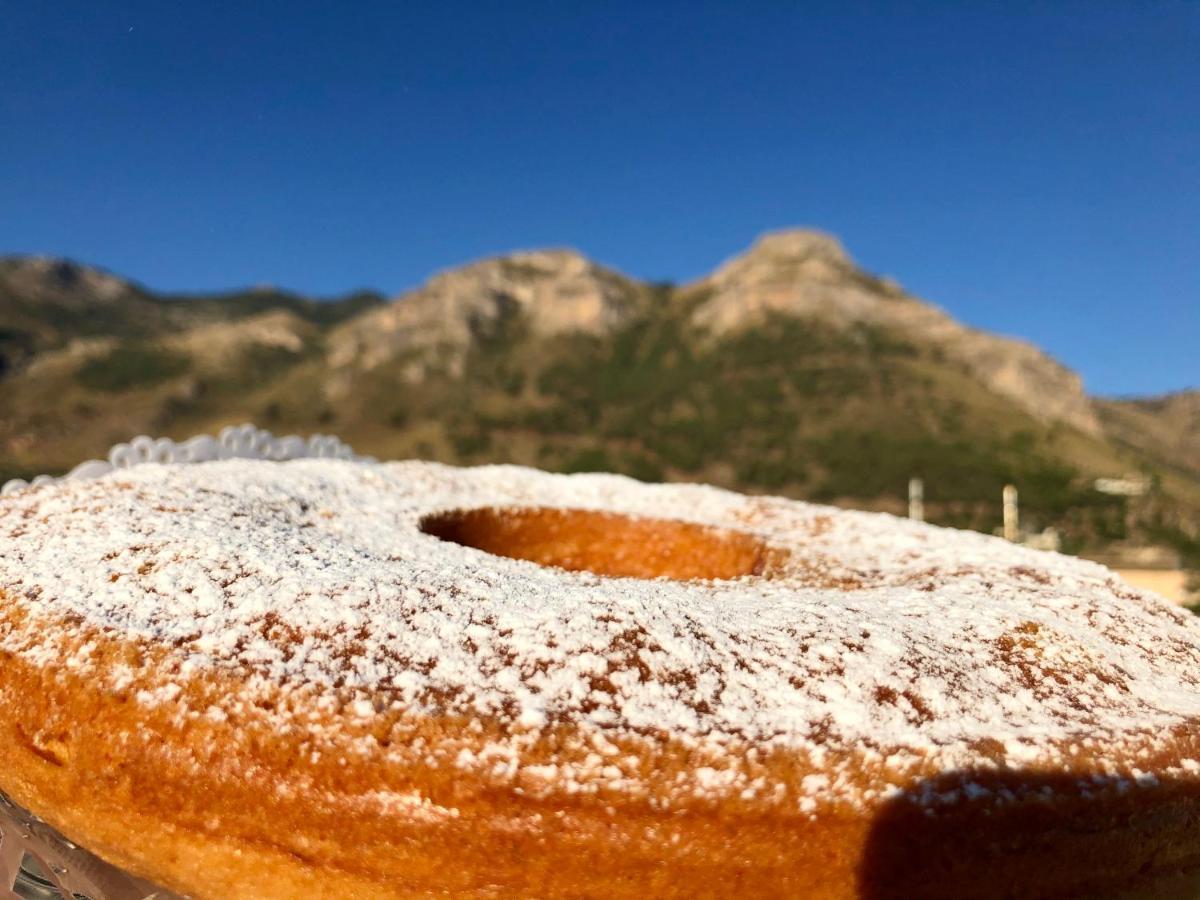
(607, 543)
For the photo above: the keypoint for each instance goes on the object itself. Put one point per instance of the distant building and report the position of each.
(1127, 486)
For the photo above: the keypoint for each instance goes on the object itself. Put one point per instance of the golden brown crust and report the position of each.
(446, 725)
(143, 791)
(606, 543)
(215, 826)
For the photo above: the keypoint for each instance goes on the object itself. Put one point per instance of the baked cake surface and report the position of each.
(308, 672)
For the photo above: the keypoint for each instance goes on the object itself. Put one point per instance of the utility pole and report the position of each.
(1012, 525)
(916, 499)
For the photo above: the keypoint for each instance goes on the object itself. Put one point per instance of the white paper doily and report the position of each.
(235, 442)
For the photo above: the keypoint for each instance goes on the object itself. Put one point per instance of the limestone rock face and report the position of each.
(42, 279)
(1167, 426)
(808, 274)
(219, 343)
(792, 273)
(1022, 372)
(550, 291)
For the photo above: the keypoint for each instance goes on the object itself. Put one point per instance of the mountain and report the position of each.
(46, 303)
(554, 292)
(1166, 428)
(795, 274)
(789, 369)
(806, 274)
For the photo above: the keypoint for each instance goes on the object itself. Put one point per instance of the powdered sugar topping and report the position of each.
(880, 635)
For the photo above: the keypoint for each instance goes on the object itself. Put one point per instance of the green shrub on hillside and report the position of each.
(643, 468)
(259, 362)
(593, 459)
(470, 443)
(129, 366)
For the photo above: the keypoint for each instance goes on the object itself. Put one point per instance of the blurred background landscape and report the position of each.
(1029, 173)
(788, 370)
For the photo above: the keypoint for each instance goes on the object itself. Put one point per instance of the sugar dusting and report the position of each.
(880, 636)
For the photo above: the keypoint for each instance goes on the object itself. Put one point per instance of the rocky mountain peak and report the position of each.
(808, 275)
(550, 262)
(62, 281)
(786, 258)
(531, 275)
(798, 243)
(800, 273)
(555, 291)
(796, 273)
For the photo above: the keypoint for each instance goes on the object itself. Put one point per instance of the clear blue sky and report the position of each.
(1034, 168)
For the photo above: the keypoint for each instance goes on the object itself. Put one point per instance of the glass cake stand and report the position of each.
(38, 863)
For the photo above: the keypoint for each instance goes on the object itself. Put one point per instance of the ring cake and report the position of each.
(334, 677)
